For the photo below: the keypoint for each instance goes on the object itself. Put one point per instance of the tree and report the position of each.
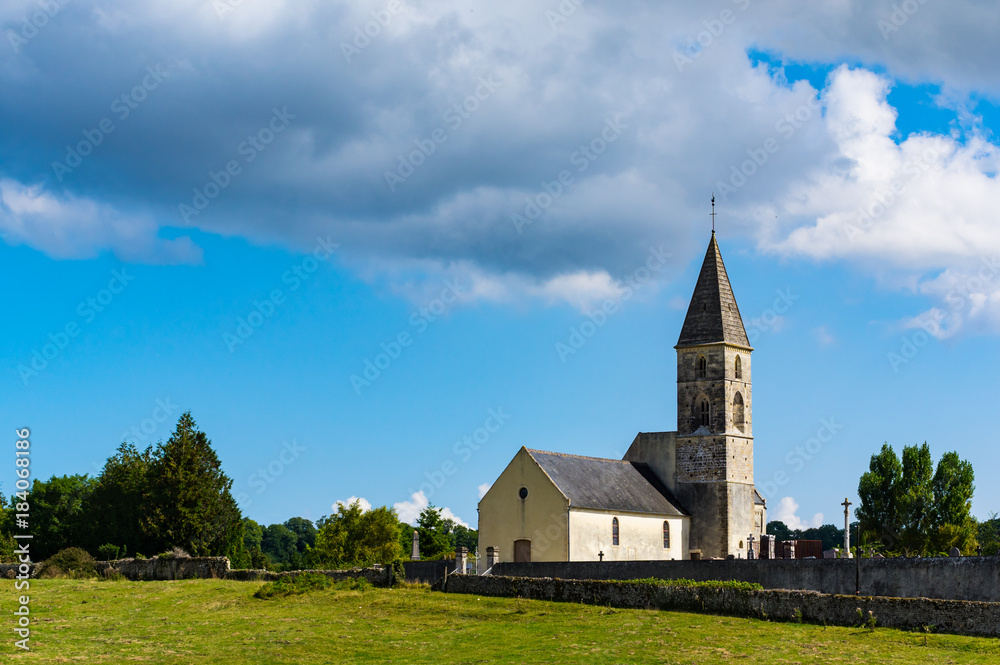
(304, 531)
(279, 543)
(191, 504)
(780, 530)
(58, 516)
(435, 534)
(911, 507)
(879, 510)
(915, 498)
(355, 537)
(463, 536)
(121, 498)
(951, 518)
(988, 534)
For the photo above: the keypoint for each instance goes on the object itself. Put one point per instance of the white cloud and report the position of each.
(484, 488)
(786, 511)
(364, 503)
(72, 228)
(918, 212)
(409, 511)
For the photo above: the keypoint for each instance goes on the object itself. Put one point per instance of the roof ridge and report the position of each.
(598, 459)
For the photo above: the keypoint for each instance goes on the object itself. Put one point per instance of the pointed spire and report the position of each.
(713, 315)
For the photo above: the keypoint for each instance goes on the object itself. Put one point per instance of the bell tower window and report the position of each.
(739, 368)
(739, 417)
(705, 412)
(702, 367)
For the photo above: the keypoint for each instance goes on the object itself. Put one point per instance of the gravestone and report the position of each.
(955, 552)
(461, 557)
(415, 554)
(829, 554)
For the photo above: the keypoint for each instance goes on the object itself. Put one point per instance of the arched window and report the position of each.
(702, 367)
(739, 418)
(739, 368)
(614, 532)
(705, 412)
(666, 535)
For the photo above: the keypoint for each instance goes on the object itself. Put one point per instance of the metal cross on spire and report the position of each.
(713, 213)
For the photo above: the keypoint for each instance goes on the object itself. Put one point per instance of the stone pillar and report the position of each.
(492, 556)
(847, 529)
(461, 556)
(415, 554)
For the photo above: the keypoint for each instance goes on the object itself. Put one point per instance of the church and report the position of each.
(675, 495)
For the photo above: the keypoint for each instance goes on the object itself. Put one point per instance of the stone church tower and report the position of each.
(714, 444)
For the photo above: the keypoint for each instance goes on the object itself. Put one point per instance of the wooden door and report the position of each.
(522, 551)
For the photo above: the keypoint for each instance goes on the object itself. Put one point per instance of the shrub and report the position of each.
(710, 584)
(72, 562)
(108, 552)
(175, 553)
(293, 585)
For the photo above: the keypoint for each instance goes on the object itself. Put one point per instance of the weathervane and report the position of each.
(713, 213)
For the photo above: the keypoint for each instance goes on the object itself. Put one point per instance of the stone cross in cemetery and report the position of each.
(415, 554)
(750, 547)
(847, 528)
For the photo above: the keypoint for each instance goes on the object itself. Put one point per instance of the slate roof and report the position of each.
(607, 484)
(757, 498)
(713, 315)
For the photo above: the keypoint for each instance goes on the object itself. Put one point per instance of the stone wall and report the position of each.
(960, 578)
(959, 617)
(380, 577)
(428, 572)
(179, 568)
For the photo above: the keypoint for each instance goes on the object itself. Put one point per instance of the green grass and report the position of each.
(710, 584)
(214, 621)
(306, 582)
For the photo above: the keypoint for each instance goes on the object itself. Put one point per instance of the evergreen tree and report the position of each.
(191, 504)
(121, 498)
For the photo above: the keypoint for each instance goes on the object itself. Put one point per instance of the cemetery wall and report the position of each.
(958, 617)
(428, 572)
(959, 578)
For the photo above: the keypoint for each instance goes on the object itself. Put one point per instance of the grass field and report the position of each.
(212, 621)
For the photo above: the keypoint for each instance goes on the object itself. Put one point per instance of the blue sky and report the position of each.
(234, 208)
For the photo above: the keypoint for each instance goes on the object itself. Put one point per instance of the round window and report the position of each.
(523, 492)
